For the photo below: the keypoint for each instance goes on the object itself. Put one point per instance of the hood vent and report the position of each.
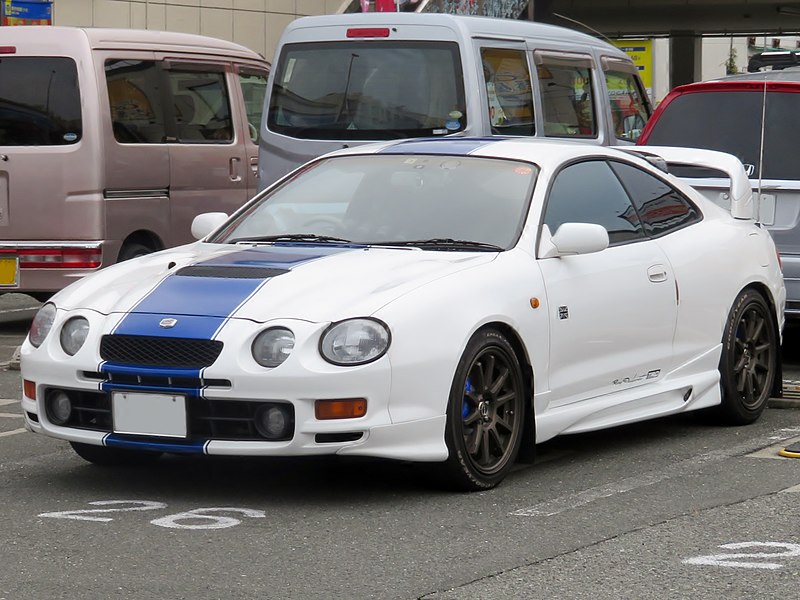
(228, 272)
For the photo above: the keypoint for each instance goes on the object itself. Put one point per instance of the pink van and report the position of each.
(111, 141)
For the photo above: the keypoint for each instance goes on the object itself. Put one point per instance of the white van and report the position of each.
(112, 140)
(340, 80)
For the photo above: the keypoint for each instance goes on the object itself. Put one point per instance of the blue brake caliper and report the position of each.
(465, 406)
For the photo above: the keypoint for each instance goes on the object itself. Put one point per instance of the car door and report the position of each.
(252, 87)
(612, 313)
(208, 162)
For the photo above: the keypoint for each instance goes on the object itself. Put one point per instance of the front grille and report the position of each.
(207, 419)
(159, 351)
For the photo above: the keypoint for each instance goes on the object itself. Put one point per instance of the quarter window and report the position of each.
(661, 208)
(40, 102)
(254, 88)
(629, 107)
(589, 192)
(508, 91)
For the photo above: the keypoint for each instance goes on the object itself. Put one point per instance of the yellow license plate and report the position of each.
(8, 271)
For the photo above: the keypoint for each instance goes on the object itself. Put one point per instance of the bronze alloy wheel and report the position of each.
(748, 364)
(485, 413)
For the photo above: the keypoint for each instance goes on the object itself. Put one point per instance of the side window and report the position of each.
(134, 95)
(662, 209)
(589, 192)
(201, 104)
(508, 91)
(629, 106)
(567, 98)
(254, 88)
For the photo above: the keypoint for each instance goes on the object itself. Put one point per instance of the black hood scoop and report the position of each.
(227, 272)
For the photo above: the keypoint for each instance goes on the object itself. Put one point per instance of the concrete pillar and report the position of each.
(685, 57)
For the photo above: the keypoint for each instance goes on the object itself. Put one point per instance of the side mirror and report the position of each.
(205, 223)
(580, 238)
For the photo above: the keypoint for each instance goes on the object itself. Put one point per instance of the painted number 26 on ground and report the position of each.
(198, 518)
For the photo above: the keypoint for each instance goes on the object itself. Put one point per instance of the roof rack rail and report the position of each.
(777, 59)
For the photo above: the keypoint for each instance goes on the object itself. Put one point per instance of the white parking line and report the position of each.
(11, 415)
(570, 501)
(6, 401)
(12, 432)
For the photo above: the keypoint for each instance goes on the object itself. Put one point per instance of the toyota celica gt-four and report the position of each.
(449, 302)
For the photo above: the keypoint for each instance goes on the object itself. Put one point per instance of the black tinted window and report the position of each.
(40, 102)
(731, 122)
(661, 208)
(367, 90)
(589, 192)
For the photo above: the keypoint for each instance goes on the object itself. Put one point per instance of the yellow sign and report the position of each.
(641, 51)
(8, 271)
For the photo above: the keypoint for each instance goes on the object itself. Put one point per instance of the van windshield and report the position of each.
(39, 101)
(730, 121)
(367, 90)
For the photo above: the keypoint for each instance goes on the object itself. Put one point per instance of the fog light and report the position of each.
(274, 422)
(59, 408)
(350, 408)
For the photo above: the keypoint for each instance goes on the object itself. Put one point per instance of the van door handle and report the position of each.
(234, 169)
(657, 273)
(254, 165)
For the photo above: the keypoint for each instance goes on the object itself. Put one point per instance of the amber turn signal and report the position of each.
(29, 389)
(350, 408)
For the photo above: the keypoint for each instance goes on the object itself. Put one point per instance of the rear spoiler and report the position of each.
(741, 191)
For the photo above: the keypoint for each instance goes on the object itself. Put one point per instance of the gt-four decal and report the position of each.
(652, 374)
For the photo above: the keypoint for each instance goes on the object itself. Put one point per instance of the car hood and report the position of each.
(309, 282)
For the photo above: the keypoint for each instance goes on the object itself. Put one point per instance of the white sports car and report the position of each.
(451, 302)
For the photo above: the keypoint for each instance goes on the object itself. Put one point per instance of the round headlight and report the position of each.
(42, 324)
(273, 346)
(73, 334)
(354, 342)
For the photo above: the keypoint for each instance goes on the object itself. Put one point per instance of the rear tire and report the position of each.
(485, 414)
(114, 457)
(133, 250)
(748, 365)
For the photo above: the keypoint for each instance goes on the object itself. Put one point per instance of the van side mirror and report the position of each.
(579, 238)
(205, 223)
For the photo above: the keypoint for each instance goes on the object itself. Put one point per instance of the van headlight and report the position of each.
(355, 342)
(73, 335)
(272, 346)
(42, 324)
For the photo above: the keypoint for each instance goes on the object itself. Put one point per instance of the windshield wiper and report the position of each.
(445, 243)
(290, 237)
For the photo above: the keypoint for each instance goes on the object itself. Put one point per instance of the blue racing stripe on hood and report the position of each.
(202, 304)
(457, 146)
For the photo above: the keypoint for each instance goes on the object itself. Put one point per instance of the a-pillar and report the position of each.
(685, 57)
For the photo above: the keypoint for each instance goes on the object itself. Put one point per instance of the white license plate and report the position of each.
(149, 414)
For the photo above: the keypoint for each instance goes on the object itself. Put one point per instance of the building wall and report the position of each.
(257, 24)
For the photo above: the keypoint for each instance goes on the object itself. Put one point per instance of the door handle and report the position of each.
(234, 169)
(254, 165)
(657, 273)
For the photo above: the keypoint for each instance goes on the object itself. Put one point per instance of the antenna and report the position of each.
(761, 150)
(584, 25)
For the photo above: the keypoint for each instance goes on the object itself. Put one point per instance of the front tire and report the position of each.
(485, 414)
(748, 365)
(114, 457)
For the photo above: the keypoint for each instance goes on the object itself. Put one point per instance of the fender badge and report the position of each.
(168, 323)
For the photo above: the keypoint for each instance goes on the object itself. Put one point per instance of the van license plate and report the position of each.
(9, 269)
(161, 415)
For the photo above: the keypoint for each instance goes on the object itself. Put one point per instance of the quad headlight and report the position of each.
(272, 346)
(355, 342)
(42, 324)
(73, 334)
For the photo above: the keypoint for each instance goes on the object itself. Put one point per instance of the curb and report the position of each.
(791, 395)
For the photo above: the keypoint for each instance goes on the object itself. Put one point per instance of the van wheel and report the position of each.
(748, 364)
(133, 250)
(485, 414)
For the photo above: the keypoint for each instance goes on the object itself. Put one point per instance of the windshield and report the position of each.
(367, 90)
(731, 122)
(434, 201)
